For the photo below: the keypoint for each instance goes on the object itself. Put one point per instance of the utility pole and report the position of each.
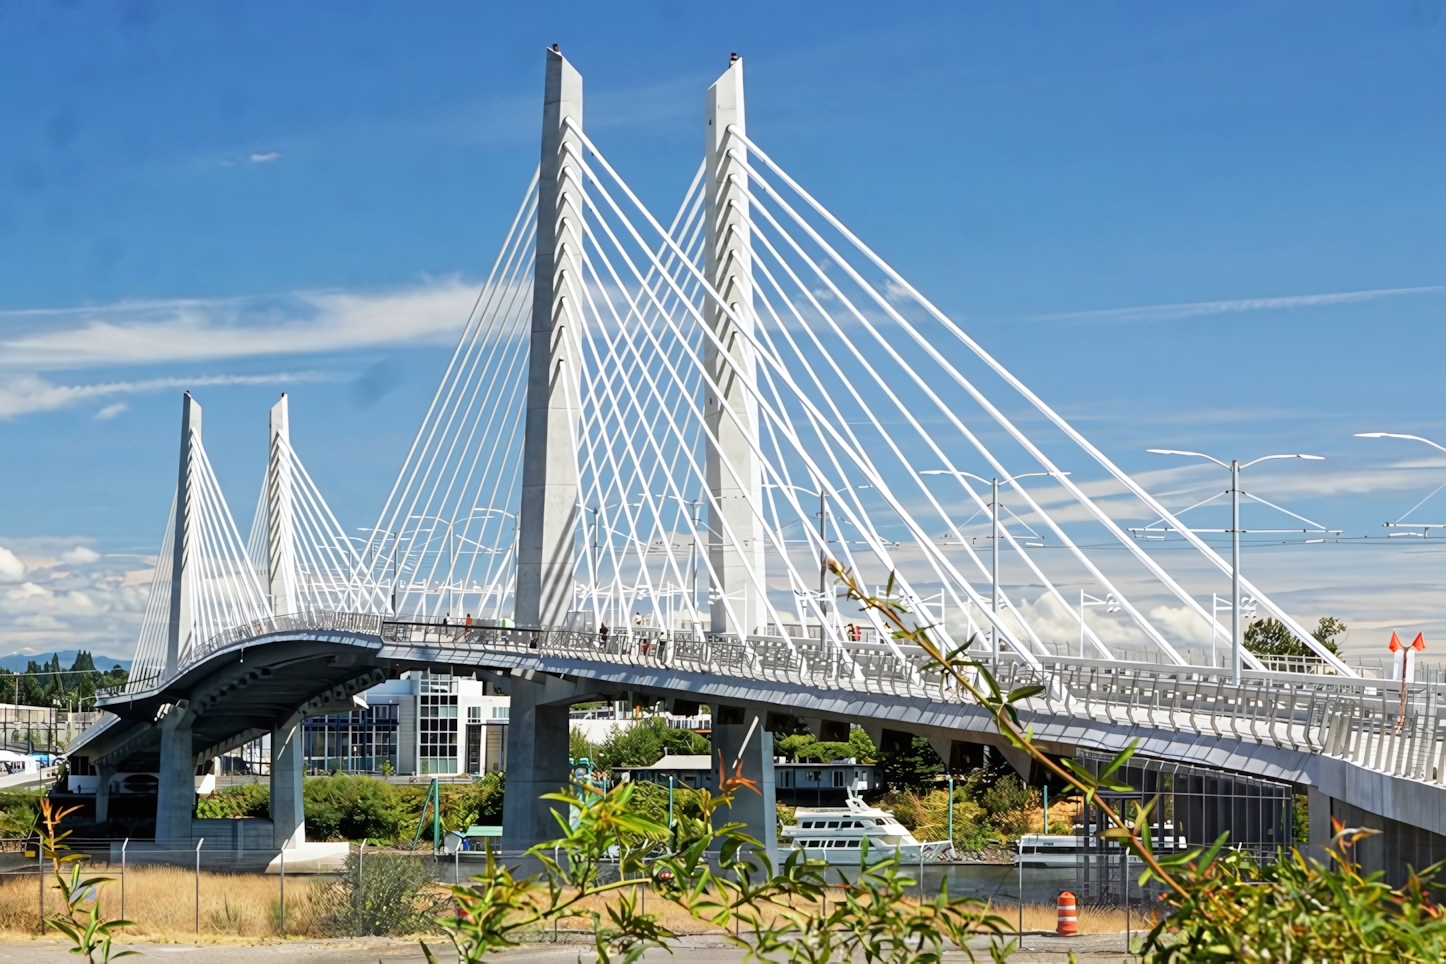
(994, 566)
(1237, 639)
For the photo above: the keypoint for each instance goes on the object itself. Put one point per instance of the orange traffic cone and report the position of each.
(1068, 915)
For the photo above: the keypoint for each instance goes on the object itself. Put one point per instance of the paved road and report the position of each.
(1096, 948)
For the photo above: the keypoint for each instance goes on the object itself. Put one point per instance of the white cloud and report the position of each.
(70, 596)
(80, 556)
(266, 158)
(22, 394)
(1236, 306)
(11, 568)
(110, 411)
(179, 330)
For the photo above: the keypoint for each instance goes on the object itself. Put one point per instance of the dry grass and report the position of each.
(1037, 917)
(1092, 920)
(162, 902)
(243, 907)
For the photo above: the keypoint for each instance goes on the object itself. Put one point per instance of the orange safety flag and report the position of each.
(1395, 646)
(1419, 643)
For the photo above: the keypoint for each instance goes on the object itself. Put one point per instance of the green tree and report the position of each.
(645, 742)
(806, 746)
(1270, 637)
(577, 745)
(909, 766)
(246, 800)
(481, 802)
(344, 807)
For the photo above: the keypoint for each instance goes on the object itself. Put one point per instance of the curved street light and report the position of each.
(1236, 630)
(1425, 528)
(993, 540)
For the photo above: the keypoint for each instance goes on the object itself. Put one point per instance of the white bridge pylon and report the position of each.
(209, 582)
(747, 392)
(673, 427)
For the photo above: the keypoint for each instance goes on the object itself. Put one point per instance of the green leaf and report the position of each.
(1024, 692)
(1120, 760)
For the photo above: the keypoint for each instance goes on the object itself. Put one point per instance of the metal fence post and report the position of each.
(198, 883)
(125, 843)
(361, 894)
(282, 922)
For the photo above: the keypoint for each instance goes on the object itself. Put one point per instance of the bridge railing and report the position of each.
(1373, 723)
(310, 621)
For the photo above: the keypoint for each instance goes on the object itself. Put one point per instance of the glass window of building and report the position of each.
(437, 733)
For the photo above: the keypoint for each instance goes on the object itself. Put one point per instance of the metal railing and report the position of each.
(1370, 722)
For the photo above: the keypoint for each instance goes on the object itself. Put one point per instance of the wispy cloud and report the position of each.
(24, 394)
(192, 330)
(265, 158)
(1195, 309)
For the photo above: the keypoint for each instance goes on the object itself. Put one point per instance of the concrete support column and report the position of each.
(176, 791)
(730, 407)
(537, 763)
(755, 810)
(288, 810)
(178, 631)
(104, 775)
(547, 521)
(280, 538)
(1319, 823)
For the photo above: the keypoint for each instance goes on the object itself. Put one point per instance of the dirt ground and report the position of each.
(1038, 949)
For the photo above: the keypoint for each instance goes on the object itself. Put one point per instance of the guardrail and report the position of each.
(1370, 722)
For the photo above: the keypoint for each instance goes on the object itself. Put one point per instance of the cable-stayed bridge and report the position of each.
(653, 435)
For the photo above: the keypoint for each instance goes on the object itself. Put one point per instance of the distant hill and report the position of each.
(17, 662)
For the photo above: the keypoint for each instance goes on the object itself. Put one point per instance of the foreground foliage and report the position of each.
(378, 894)
(716, 875)
(1297, 909)
(90, 934)
(345, 807)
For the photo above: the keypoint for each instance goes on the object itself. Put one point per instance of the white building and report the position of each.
(422, 724)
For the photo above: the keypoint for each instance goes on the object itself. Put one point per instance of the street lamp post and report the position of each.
(1425, 528)
(395, 541)
(993, 484)
(1237, 640)
(1111, 604)
(822, 494)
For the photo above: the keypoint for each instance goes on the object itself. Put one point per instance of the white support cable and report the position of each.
(1059, 423)
(658, 459)
(925, 436)
(488, 330)
(859, 452)
(505, 351)
(1100, 516)
(705, 330)
(697, 365)
(707, 289)
(501, 350)
(655, 463)
(529, 200)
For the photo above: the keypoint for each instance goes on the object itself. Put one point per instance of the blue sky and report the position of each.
(1217, 226)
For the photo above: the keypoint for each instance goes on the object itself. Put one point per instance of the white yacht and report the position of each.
(834, 834)
(1050, 850)
(1066, 850)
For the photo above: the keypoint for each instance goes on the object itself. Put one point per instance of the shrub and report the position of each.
(350, 808)
(19, 811)
(246, 800)
(377, 894)
(644, 742)
(909, 767)
(481, 801)
(1007, 793)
